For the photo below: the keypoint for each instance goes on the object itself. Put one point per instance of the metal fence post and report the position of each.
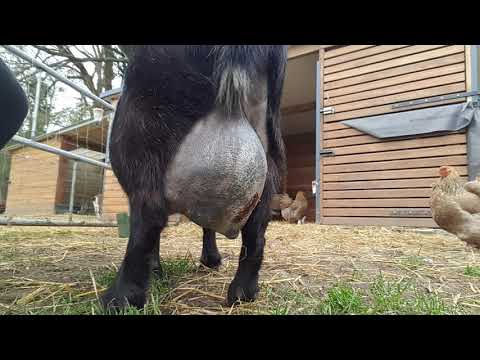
(473, 135)
(36, 105)
(318, 124)
(72, 189)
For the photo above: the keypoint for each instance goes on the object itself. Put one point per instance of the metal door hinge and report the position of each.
(327, 110)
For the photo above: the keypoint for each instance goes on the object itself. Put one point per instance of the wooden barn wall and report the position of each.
(114, 199)
(374, 182)
(33, 177)
(301, 167)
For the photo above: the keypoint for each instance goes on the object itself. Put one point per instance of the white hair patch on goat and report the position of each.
(234, 89)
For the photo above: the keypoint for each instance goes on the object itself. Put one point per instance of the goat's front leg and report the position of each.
(131, 284)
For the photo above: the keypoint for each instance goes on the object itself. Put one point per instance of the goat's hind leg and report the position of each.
(210, 258)
(155, 265)
(244, 286)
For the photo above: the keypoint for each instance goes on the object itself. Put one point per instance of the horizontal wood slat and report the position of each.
(398, 154)
(342, 50)
(376, 212)
(375, 221)
(377, 203)
(380, 184)
(389, 174)
(390, 193)
(367, 107)
(397, 164)
(401, 144)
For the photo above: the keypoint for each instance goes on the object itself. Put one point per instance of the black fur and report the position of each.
(167, 89)
(13, 105)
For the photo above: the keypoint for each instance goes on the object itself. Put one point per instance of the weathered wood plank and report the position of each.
(399, 61)
(396, 80)
(362, 53)
(397, 89)
(393, 53)
(353, 109)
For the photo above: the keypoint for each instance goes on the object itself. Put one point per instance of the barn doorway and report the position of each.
(298, 127)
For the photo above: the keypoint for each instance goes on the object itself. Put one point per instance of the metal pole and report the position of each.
(318, 124)
(46, 222)
(109, 133)
(57, 151)
(56, 75)
(473, 135)
(475, 67)
(36, 106)
(72, 188)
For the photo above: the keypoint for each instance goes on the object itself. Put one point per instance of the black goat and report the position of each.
(13, 105)
(197, 132)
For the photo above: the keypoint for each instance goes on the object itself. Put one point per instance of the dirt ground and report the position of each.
(308, 269)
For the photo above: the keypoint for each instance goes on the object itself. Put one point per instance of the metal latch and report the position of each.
(328, 110)
(326, 152)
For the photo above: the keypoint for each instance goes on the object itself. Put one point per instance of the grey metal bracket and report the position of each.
(326, 152)
(435, 99)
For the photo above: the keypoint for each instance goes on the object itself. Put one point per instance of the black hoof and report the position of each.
(157, 272)
(211, 261)
(116, 300)
(242, 291)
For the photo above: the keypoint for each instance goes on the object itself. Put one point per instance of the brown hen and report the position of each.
(297, 210)
(456, 206)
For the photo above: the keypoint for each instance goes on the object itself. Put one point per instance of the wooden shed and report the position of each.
(40, 182)
(368, 180)
(362, 179)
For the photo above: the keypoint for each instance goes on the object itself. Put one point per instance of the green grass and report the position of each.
(473, 271)
(342, 299)
(412, 262)
(68, 304)
(382, 297)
